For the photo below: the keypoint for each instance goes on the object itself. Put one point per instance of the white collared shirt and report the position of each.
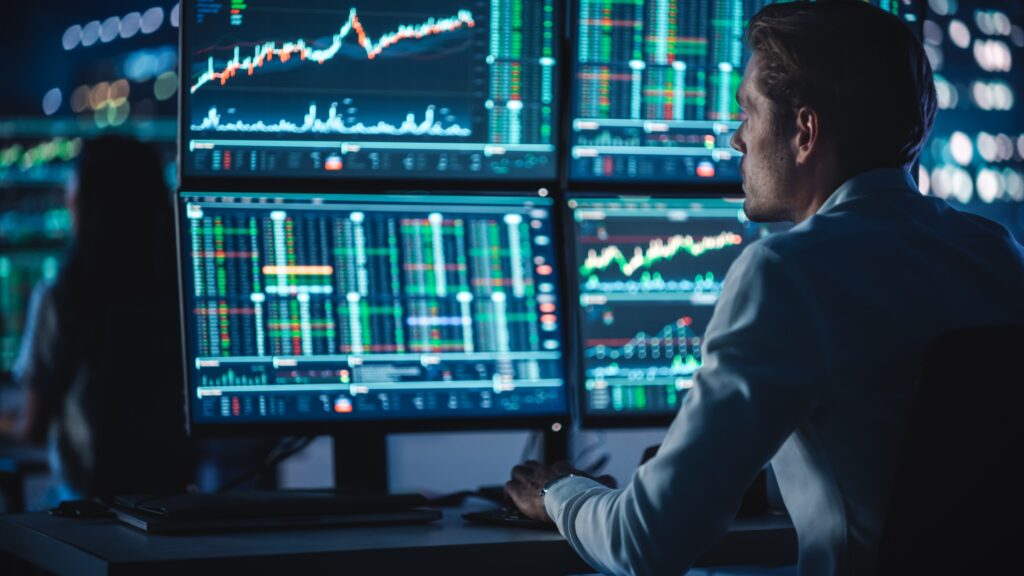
(809, 362)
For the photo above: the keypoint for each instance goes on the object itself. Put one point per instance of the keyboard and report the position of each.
(254, 510)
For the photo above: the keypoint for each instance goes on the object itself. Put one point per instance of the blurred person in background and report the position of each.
(100, 363)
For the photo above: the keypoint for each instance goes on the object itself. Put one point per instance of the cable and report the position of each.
(284, 449)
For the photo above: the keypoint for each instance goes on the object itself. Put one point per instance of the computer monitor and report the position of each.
(383, 90)
(36, 160)
(649, 271)
(654, 85)
(33, 216)
(21, 270)
(406, 311)
(35, 225)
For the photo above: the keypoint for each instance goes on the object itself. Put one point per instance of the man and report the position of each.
(811, 355)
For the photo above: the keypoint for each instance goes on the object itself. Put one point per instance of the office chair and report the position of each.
(956, 494)
(135, 384)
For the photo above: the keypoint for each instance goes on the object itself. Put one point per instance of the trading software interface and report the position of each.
(650, 271)
(392, 89)
(654, 88)
(370, 307)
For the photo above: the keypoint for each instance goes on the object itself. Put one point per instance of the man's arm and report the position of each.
(762, 376)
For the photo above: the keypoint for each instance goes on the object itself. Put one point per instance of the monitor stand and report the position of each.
(360, 470)
(361, 462)
(361, 459)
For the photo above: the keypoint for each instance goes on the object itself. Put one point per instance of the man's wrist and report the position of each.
(551, 484)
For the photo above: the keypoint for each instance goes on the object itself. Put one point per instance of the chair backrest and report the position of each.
(136, 393)
(958, 493)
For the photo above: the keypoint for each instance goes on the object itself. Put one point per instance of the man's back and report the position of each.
(883, 271)
(810, 362)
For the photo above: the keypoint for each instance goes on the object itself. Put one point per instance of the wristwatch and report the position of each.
(552, 483)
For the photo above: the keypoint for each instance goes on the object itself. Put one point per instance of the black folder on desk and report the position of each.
(261, 510)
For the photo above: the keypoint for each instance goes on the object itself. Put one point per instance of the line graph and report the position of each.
(335, 123)
(674, 339)
(648, 284)
(406, 89)
(267, 51)
(651, 270)
(629, 368)
(657, 250)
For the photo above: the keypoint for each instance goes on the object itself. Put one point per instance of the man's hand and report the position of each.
(528, 479)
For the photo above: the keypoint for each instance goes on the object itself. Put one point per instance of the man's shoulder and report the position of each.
(794, 243)
(816, 241)
(984, 226)
(842, 234)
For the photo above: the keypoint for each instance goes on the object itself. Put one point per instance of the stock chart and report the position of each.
(443, 89)
(370, 307)
(650, 272)
(654, 87)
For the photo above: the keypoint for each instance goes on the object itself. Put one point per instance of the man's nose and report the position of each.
(736, 142)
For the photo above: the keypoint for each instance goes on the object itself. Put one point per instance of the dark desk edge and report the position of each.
(764, 542)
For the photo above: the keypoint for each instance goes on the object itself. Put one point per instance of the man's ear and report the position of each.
(807, 139)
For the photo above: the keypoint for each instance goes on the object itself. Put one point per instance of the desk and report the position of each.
(448, 546)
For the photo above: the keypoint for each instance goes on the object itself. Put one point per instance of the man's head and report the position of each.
(833, 88)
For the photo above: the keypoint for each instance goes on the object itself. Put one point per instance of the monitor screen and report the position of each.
(35, 224)
(33, 173)
(21, 270)
(650, 271)
(390, 89)
(653, 97)
(333, 308)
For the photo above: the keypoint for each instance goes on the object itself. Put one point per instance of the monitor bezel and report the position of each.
(586, 419)
(553, 421)
(260, 182)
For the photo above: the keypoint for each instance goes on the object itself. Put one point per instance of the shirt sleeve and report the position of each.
(761, 377)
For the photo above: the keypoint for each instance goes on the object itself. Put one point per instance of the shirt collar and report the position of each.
(867, 183)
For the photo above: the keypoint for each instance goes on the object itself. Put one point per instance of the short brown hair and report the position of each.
(859, 67)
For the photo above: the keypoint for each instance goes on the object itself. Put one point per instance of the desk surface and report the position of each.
(448, 546)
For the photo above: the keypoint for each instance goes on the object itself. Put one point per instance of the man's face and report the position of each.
(767, 165)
